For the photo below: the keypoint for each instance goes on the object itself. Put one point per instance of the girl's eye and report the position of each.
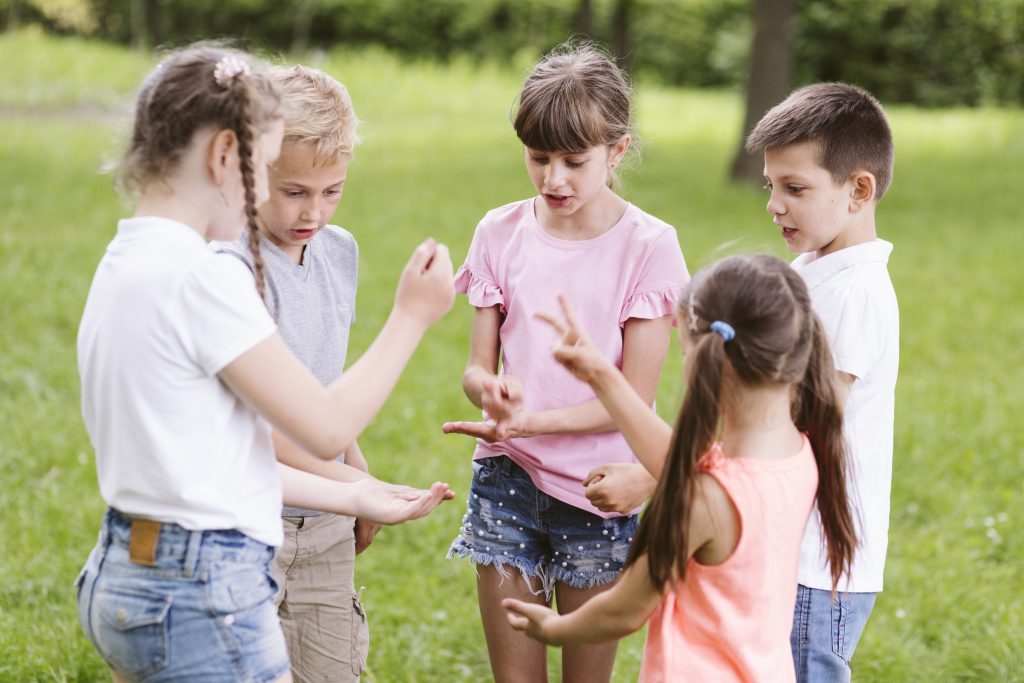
(332, 193)
(292, 194)
(539, 160)
(574, 164)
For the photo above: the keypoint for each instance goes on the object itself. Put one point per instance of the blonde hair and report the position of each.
(318, 111)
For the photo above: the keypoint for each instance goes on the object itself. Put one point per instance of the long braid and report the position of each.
(243, 130)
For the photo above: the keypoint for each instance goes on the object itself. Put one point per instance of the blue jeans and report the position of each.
(510, 522)
(825, 633)
(201, 610)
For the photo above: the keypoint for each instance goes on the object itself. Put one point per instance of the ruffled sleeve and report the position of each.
(650, 305)
(481, 293)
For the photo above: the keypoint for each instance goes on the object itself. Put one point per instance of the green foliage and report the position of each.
(930, 52)
(933, 52)
(439, 151)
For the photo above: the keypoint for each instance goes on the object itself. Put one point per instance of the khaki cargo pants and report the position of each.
(323, 621)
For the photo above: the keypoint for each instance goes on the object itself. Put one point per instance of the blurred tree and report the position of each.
(303, 24)
(622, 32)
(14, 15)
(770, 77)
(585, 18)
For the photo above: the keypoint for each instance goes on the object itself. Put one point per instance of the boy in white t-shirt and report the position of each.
(311, 269)
(828, 159)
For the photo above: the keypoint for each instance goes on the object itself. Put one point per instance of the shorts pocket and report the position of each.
(360, 636)
(485, 469)
(131, 630)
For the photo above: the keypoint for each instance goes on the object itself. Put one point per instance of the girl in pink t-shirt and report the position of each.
(713, 570)
(548, 456)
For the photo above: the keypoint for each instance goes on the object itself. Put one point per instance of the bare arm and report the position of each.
(291, 455)
(325, 421)
(712, 536)
(647, 434)
(610, 615)
(367, 498)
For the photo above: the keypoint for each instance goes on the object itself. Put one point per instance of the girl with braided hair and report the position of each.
(759, 437)
(183, 372)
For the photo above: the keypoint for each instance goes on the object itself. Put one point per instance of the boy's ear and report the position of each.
(863, 189)
(222, 154)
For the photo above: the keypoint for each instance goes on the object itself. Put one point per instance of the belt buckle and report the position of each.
(142, 544)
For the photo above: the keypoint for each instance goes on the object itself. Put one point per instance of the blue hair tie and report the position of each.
(724, 329)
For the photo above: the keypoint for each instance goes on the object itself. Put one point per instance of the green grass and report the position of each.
(439, 152)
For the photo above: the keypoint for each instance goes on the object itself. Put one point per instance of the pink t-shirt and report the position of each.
(634, 270)
(731, 622)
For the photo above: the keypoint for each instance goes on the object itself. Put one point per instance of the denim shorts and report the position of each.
(203, 612)
(509, 521)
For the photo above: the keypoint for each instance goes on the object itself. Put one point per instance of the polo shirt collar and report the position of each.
(815, 269)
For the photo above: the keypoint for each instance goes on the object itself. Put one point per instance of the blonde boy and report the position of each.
(311, 269)
(828, 159)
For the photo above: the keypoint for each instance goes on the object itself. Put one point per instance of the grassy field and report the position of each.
(438, 153)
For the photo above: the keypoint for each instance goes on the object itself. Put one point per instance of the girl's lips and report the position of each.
(555, 200)
(303, 234)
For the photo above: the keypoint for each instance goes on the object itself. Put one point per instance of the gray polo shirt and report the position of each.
(314, 303)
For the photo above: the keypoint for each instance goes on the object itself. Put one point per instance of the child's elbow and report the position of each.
(331, 443)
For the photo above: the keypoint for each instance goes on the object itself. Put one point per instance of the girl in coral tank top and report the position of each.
(758, 439)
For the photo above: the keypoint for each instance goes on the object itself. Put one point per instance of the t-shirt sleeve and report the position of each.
(856, 333)
(476, 278)
(222, 315)
(660, 282)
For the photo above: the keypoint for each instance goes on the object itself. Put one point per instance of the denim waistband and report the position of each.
(181, 548)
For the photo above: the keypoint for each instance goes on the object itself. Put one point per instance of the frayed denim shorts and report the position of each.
(202, 612)
(509, 522)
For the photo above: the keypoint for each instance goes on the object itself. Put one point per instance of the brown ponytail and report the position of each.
(819, 414)
(778, 341)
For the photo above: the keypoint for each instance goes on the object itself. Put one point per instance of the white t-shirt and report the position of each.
(852, 294)
(164, 316)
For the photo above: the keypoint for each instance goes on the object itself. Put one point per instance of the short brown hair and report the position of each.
(575, 98)
(318, 111)
(847, 122)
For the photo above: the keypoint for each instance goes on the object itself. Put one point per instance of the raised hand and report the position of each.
(619, 487)
(384, 503)
(426, 290)
(574, 349)
(502, 399)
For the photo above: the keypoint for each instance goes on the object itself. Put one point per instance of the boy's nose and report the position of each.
(312, 212)
(774, 206)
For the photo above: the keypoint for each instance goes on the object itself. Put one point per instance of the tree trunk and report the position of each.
(585, 19)
(770, 77)
(155, 21)
(137, 17)
(622, 33)
(302, 27)
(14, 15)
